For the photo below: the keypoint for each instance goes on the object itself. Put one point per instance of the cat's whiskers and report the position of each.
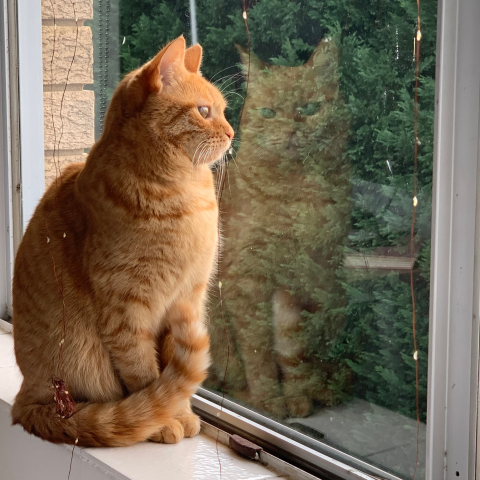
(225, 166)
(231, 88)
(230, 82)
(202, 154)
(218, 73)
(233, 156)
(205, 153)
(208, 152)
(196, 150)
(229, 77)
(228, 94)
(220, 177)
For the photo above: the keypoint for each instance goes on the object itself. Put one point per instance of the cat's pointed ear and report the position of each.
(172, 61)
(153, 76)
(249, 60)
(323, 53)
(193, 58)
(163, 66)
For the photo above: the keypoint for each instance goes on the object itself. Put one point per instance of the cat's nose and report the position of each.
(229, 132)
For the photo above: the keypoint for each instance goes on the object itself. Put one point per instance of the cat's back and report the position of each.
(40, 271)
(56, 212)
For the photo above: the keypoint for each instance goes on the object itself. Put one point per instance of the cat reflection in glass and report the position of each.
(285, 218)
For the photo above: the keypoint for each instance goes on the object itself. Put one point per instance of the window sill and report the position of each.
(193, 458)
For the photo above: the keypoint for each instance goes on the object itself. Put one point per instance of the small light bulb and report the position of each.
(419, 35)
(48, 240)
(415, 201)
(415, 355)
(245, 15)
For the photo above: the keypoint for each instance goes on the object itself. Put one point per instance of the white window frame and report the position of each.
(453, 420)
(6, 233)
(21, 130)
(455, 281)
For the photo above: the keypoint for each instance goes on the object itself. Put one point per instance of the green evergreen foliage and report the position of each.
(376, 71)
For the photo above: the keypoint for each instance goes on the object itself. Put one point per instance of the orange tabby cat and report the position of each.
(133, 236)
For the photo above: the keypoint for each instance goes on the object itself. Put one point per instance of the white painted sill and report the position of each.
(25, 457)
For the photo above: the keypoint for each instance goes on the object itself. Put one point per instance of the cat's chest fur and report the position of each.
(168, 243)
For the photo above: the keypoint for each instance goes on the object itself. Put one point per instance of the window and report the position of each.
(311, 316)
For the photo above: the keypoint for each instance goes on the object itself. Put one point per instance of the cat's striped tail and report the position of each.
(137, 417)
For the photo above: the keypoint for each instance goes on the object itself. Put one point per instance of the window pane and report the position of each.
(311, 315)
(317, 212)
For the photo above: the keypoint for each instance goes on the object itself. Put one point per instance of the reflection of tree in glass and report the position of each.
(286, 218)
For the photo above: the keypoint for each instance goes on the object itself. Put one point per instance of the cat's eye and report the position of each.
(204, 111)
(267, 112)
(310, 108)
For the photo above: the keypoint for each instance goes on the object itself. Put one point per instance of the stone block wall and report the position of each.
(68, 114)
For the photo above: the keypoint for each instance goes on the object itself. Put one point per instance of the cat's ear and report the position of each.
(153, 76)
(193, 58)
(323, 54)
(250, 60)
(172, 61)
(161, 69)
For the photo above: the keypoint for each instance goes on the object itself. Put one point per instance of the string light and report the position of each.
(244, 14)
(65, 405)
(416, 56)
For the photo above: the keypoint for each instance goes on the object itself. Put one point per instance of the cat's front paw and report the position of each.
(171, 432)
(190, 423)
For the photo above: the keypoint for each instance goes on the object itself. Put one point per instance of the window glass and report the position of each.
(311, 314)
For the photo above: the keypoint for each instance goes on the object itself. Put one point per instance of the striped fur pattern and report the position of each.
(133, 237)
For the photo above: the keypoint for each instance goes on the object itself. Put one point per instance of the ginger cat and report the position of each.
(133, 236)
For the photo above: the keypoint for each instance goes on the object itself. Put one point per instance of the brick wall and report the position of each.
(78, 104)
